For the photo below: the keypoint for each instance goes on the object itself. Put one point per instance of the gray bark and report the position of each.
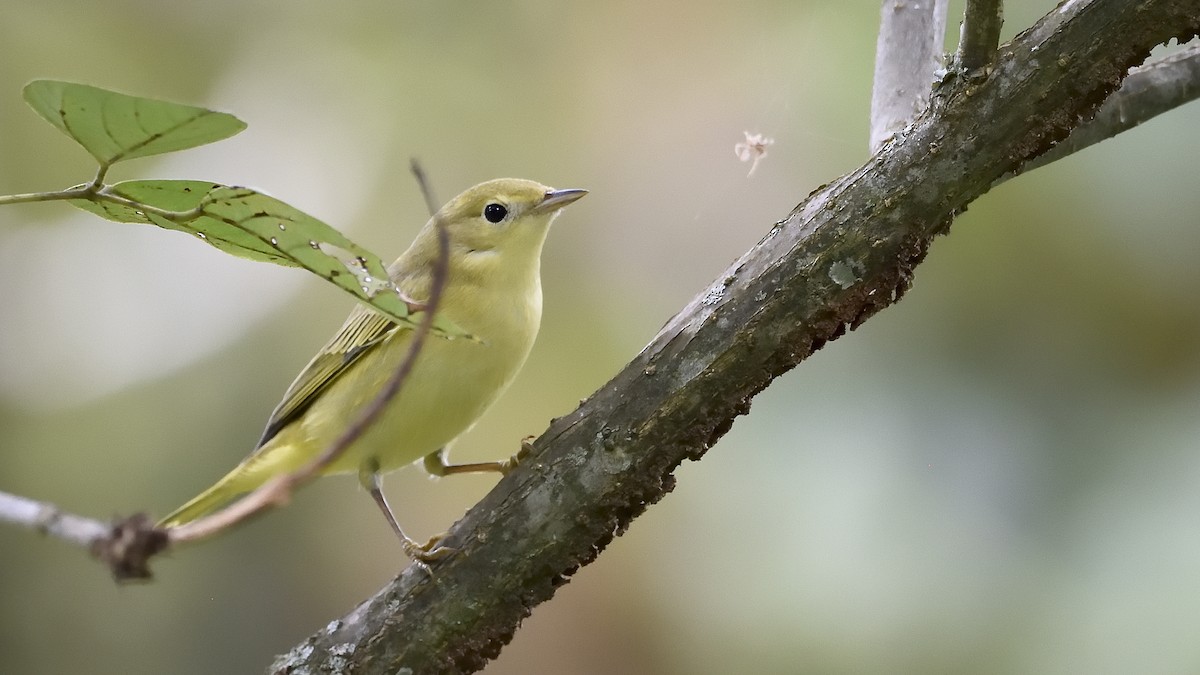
(908, 53)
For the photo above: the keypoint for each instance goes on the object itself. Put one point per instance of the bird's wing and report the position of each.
(364, 329)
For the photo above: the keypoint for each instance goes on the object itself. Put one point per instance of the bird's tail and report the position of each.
(242, 479)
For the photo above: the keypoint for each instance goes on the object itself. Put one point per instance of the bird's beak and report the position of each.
(556, 199)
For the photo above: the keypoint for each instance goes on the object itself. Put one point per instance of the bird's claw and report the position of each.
(513, 462)
(430, 551)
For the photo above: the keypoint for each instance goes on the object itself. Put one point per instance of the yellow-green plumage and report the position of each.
(493, 291)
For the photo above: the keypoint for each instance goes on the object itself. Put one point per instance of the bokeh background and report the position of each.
(1001, 474)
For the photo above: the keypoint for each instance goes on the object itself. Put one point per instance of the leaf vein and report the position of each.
(153, 137)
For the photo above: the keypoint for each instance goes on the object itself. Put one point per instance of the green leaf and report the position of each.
(182, 196)
(249, 224)
(114, 127)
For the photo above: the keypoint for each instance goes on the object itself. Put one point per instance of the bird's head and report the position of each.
(503, 219)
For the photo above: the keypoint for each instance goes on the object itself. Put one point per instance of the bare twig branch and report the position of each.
(907, 56)
(100, 193)
(49, 519)
(278, 490)
(1150, 90)
(418, 172)
(57, 195)
(979, 34)
(126, 545)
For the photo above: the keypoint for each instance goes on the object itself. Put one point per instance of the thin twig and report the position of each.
(49, 519)
(907, 56)
(125, 545)
(279, 490)
(979, 34)
(418, 171)
(1148, 91)
(100, 194)
(60, 195)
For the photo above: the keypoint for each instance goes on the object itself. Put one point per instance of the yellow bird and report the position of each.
(493, 291)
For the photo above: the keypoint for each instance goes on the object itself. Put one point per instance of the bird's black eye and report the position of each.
(494, 212)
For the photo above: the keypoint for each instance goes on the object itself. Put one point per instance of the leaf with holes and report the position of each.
(114, 127)
(249, 224)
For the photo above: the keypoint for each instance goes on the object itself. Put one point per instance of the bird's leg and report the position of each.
(436, 465)
(422, 553)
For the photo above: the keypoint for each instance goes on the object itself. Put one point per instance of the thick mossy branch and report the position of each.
(1148, 91)
(843, 254)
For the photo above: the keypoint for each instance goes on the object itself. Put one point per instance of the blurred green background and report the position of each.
(998, 475)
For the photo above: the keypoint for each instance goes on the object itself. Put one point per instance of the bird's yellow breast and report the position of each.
(450, 386)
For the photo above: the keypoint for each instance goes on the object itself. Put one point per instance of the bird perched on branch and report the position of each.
(492, 291)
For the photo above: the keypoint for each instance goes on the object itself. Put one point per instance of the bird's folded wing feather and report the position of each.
(364, 330)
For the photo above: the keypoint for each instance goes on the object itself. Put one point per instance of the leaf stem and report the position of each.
(105, 194)
(98, 182)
